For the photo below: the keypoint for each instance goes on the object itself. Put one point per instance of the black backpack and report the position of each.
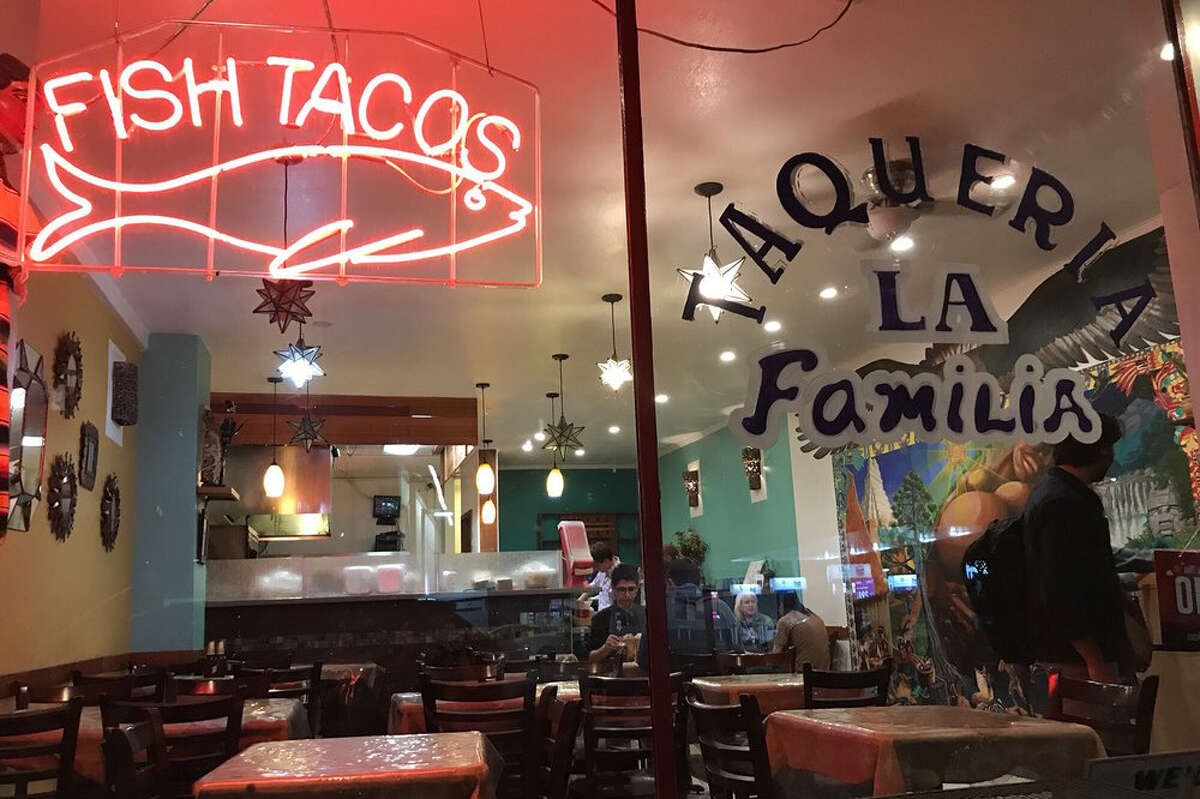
(994, 574)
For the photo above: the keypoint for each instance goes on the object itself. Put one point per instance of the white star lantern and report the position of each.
(717, 282)
(300, 363)
(614, 373)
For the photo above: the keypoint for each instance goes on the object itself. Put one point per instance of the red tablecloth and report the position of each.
(904, 748)
(452, 765)
(773, 691)
(406, 714)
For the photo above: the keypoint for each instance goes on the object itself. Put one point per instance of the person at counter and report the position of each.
(619, 622)
(601, 585)
(697, 622)
(755, 630)
(802, 632)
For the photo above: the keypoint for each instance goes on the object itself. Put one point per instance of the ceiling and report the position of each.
(1056, 84)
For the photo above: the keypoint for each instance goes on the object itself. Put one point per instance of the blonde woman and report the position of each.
(755, 630)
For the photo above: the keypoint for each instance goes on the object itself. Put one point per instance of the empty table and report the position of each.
(899, 748)
(773, 691)
(451, 765)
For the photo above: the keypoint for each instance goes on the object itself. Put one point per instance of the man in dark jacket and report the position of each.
(697, 622)
(1076, 616)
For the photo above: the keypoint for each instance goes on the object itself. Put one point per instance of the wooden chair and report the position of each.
(476, 672)
(31, 753)
(755, 663)
(18, 692)
(298, 682)
(694, 665)
(734, 747)
(143, 684)
(556, 743)
(1121, 715)
(503, 711)
(135, 760)
(617, 737)
(192, 685)
(556, 671)
(91, 691)
(872, 686)
(193, 749)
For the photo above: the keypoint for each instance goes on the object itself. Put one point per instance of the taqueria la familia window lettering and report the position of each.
(836, 408)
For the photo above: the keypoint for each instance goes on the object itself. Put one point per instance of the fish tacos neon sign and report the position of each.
(387, 122)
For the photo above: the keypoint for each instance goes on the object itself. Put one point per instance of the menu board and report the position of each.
(1178, 576)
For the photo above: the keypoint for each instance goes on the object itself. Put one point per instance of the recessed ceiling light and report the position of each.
(579, 453)
(902, 243)
(401, 449)
(661, 398)
(539, 436)
(1167, 53)
(527, 446)
(1003, 181)
(773, 326)
(828, 293)
(614, 429)
(727, 356)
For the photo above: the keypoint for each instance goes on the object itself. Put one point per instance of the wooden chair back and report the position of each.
(755, 663)
(618, 731)
(135, 760)
(1122, 715)
(475, 672)
(556, 743)
(31, 751)
(296, 682)
(734, 747)
(192, 685)
(199, 734)
(694, 665)
(870, 687)
(143, 683)
(502, 710)
(559, 671)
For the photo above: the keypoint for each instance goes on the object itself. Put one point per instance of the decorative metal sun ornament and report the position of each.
(285, 301)
(614, 372)
(562, 436)
(300, 361)
(717, 281)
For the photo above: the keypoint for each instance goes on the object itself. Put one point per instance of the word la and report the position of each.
(958, 311)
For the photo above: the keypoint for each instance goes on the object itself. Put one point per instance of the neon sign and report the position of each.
(484, 165)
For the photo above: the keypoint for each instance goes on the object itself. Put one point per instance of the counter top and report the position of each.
(451, 596)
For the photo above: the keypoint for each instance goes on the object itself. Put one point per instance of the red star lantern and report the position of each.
(285, 301)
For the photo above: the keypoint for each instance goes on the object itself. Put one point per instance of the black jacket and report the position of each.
(1074, 591)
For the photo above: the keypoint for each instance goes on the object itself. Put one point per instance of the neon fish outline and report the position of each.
(369, 253)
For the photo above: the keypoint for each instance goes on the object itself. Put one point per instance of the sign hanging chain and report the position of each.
(487, 60)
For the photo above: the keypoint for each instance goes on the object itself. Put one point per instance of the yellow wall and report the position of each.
(70, 601)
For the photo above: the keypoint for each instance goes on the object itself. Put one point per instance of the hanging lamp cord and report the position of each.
(274, 417)
(712, 245)
(562, 393)
(612, 308)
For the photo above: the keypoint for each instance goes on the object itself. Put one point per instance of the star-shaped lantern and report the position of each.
(717, 282)
(307, 431)
(563, 437)
(285, 301)
(614, 373)
(300, 362)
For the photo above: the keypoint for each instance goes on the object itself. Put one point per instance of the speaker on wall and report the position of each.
(125, 393)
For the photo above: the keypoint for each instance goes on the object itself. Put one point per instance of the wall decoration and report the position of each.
(62, 493)
(30, 405)
(752, 463)
(68, 374)
(125, 393)
(285, 301)
(227, 432)
(691, 487)
(89, 454)
(112, 431)
(210, 449)
(562, 436)
(615, 372)
(110, 513)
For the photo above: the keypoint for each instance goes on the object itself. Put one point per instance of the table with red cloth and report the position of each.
(451, 765)
(406, 713)
(262, 720)
(920, 747)
(773, 691)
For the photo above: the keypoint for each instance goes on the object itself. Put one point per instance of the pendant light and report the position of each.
(485, 475)
(717, 282)
(273, 480)
(614, 372)
(487, 513)
(562, 436)
(554, 478)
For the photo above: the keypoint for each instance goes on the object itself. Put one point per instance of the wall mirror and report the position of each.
(27, 438)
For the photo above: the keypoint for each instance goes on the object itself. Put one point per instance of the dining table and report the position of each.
(880, 751)
(406, 711)
(773, 691)
(450, 765)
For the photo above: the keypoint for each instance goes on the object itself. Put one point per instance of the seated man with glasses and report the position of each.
(620, 622)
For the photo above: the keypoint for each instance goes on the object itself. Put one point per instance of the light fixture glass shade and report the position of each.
(488, 513)
(485, 479)
(273, 481)
(554, 483)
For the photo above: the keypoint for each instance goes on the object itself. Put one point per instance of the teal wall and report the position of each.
(737, 531)
(168, 585)
(523, 497)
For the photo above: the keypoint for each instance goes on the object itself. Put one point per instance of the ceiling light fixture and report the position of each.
(902, 243)
(485, 475)
(273, 479)
(615, 372)
(527, 446)
(828, 293)
(539, 436)
(579, 453)
(487, 514)
(554, 477)
(661, 399)
(401, 449)
(727, 356)
(717, 282)
(300, 361)
(773, 326)
(1167, 53)
(614, 429)
(563, 436)
(1004, 181)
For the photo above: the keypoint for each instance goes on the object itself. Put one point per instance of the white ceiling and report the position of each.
(1054, 84)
